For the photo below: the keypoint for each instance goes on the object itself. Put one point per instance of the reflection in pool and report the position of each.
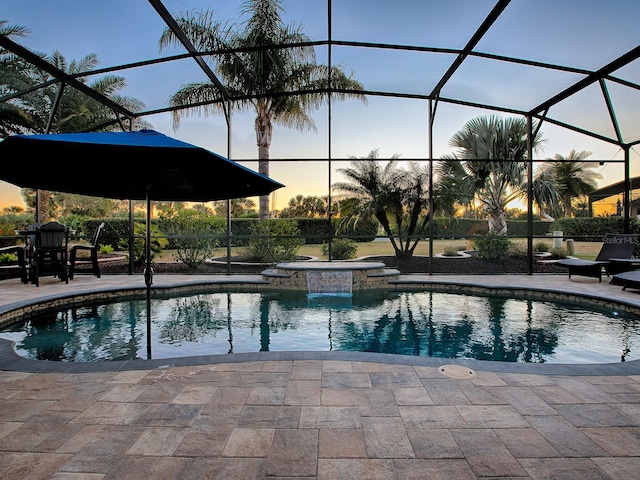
(411, 323)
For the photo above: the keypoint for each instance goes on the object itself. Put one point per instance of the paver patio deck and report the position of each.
(317, 415)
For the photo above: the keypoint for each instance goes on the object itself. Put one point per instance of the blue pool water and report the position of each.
(426, 324)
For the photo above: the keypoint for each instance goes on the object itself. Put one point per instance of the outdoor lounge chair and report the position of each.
(629, 279)
(615, 246)
(92, 248)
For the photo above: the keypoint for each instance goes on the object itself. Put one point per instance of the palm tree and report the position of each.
(16, 75)
(397, 198)
(492, 153)
(75, 112)
(573, 177)
(259, 72)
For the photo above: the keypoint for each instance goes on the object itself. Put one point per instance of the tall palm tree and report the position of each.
(16, 75)
(258, 73)
(573, 177)
(397, 198)
(492, 151)
(77, 111)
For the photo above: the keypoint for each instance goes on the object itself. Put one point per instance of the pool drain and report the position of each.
(457, 371)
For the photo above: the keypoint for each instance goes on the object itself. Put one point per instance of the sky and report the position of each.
(585, 34)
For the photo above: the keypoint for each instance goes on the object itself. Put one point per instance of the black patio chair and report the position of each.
(50, 252)
(615, 246)
(92, 248)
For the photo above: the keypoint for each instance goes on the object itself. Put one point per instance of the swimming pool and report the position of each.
(428, 324)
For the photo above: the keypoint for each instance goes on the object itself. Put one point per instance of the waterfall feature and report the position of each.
(330, 282)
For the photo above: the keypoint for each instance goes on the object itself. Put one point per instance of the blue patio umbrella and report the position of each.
(141, 165)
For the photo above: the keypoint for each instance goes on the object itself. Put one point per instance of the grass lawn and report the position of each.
(586, 250)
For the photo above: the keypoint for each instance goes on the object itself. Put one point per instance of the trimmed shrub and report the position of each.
(192, 235)
(341, 249)
(276, 240)
(492, 247)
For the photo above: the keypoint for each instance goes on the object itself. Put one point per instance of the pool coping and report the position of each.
(11, 361)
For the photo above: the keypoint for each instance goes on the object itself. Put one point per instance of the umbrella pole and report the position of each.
(148, 271)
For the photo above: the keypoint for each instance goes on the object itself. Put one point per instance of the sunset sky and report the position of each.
(585, 34)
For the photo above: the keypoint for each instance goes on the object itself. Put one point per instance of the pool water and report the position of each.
(427, 324)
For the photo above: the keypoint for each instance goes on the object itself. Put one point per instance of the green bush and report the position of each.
(341, 249)
(157, 243)
(452, 251)
(559, 252)
(492, 247)
(517, 250)
(275, 240)
(106, 248)
(541, 247)
(8, 257)
(192, 235)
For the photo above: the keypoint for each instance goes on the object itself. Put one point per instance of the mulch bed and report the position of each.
(419, 264)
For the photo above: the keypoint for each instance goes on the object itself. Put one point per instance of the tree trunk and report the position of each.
(498, 223)
(264, 130)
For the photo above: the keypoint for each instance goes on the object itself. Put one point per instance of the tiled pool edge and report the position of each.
(11, 361)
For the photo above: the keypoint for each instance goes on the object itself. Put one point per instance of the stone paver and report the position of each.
(325, 418)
